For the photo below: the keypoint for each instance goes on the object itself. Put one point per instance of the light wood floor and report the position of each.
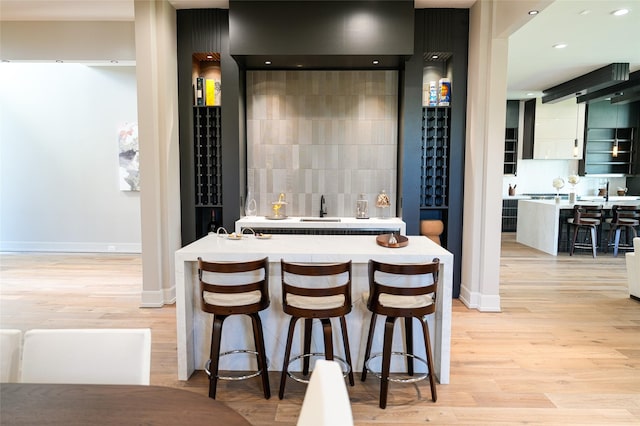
(564, 350)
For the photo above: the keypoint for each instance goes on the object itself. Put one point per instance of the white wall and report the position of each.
(59, 158)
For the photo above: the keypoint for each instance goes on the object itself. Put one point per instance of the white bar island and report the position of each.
(194, 325)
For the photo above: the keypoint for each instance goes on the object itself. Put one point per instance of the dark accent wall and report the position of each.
(436, 30)
(431, 30)
(207, 30)
(348, 34)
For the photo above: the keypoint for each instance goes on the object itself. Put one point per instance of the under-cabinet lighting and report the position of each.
(615, 148)
(533, 12)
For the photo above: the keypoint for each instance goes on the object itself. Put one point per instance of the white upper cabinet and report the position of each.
(556, 128)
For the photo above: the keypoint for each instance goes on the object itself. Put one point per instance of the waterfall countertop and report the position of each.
(539, 220)
(394, 224)
(194, 325)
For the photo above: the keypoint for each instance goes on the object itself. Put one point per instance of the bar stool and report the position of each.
(235, 288)
(406, 302)
(625, 218)
(321, 291)
(587, 218)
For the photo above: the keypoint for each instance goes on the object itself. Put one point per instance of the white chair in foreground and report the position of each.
(633, 269)
(89, 356)
(326, 400)
(10, 343)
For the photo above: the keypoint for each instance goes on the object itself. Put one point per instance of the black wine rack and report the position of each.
(207, 153)
(434, 179)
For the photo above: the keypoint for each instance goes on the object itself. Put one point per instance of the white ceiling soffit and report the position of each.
(594, 38)
(122, 10)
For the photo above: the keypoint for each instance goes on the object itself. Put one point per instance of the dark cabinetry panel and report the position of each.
(509, 215)
(511, 138)
(209, 186)
(528, 129)
(611, 139)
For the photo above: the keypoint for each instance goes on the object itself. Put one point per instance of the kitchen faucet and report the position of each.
(323, 207)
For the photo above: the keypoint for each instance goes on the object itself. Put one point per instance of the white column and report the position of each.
(486, 111)
(156, 68)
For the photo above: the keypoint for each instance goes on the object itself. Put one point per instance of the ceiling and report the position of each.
(594, 37)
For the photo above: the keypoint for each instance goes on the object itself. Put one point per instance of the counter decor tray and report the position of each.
(400, 240)
(275, 217)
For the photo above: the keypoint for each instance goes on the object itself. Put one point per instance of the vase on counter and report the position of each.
(250, 205)
(383, 203)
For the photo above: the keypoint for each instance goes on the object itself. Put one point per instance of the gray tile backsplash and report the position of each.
(313, 133)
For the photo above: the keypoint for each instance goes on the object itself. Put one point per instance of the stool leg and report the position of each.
(386, 360)
(427, 348)
(367, 351)
(214, 355)
(616, 242)
(594, 240)
(328, 338)
(347, 349)
(573, 241)
(408, 342)
(258, 337)
(308, 323)
(287, 354)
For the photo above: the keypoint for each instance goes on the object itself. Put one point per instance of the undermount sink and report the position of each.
(319, 219)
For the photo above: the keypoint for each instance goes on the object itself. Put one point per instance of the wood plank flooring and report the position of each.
(564, 350)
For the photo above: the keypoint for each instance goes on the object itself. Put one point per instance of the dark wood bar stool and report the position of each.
(316, 291)
(624, 218)
(408, 302)
(235, 288)
(585, 218)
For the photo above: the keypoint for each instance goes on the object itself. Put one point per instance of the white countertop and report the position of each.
(392, 223)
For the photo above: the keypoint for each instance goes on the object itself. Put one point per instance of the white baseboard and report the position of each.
(158, 298)
(70, 247)
(479, 301)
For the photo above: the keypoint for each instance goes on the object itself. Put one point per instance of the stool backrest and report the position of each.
(625, 212)
(88, 356)
(398, 279)
(234, 280)
(319, 280)
(586, 211)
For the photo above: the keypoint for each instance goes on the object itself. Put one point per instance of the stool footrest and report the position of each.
(410, 379)
(234, 352)
(343, 364)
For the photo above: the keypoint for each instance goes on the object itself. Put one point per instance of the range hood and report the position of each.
(313, 35)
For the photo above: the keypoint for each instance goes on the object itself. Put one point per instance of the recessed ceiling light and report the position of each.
(620, 12)
(59, 61)
(299, 65)
(531, 94)
(267, 62)
(585, 12)
(560, 46)
(533, 12)
(114, 61)
(376, 62)
(209, 56)
(434, 56)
